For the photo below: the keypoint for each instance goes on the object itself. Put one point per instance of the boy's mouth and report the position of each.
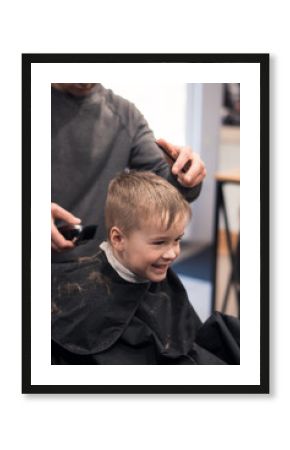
(160, 267)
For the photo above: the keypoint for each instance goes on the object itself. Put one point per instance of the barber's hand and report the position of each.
(194, 170)
(58, 242)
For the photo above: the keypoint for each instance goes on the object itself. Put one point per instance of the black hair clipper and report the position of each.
(79, 234)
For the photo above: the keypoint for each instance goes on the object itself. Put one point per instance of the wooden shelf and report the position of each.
(229, 176)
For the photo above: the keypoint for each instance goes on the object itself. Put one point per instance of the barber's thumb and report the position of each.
(162, 142)
(76, 220)
(70, 218)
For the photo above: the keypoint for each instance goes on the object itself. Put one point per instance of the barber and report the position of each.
(96, 134)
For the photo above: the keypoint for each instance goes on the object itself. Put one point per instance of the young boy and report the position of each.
(125, 305)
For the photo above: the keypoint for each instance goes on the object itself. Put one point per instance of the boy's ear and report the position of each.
(117, 238)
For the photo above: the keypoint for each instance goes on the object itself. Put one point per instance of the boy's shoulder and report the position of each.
(77, 267)
(81, 279)
(89, 300)
(74, 277)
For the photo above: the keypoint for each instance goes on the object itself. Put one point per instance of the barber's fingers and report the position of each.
(170, 149)
(57, 212)
(184, 160)
(194, 174)
(187, 181)
(58, 242)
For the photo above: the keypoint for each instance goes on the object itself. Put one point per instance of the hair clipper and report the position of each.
(79, 234)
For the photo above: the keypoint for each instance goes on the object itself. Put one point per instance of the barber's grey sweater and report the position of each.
(92, 139)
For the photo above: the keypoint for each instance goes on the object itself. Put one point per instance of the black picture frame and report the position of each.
(263, 61)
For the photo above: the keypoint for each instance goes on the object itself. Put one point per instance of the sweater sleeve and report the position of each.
(146, 155)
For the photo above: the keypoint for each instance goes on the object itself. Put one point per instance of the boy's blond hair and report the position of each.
(135, 198)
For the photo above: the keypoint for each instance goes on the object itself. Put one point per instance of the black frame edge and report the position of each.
(26, 224)
(146, 389)
(144, 57)
(264, 220)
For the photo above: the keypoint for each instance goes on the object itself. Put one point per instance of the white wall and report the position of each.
(163, 105)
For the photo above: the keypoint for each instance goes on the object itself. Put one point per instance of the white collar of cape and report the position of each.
(124, 273)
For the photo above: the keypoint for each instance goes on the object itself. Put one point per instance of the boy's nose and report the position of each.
(171, 253)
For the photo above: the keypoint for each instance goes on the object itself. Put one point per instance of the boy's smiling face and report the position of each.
(150, 251)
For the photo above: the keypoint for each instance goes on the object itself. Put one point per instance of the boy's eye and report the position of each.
(164, 242)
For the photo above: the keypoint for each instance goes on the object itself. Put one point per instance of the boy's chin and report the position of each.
(157, 277)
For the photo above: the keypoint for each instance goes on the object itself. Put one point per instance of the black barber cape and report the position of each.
(99, 318)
